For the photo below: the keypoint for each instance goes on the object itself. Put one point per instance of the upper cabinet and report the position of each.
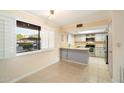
(83, 38)
(70, 39)
(80, 38)
(97, 37)
(100, 37)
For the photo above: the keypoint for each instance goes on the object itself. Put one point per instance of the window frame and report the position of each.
(41, 48)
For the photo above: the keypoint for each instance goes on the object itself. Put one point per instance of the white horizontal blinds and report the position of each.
(1, 38)
(44, 39)
(47, 39)
(8, 37)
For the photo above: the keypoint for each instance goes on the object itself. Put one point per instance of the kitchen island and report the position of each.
(76, 55)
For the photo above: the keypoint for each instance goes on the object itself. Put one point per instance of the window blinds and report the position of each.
(47, 39)
(7, 37)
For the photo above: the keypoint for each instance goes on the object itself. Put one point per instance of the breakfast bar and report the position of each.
(76, 55)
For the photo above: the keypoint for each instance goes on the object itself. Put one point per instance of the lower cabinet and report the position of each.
(80, 56)
(63, 54)
(100, 52)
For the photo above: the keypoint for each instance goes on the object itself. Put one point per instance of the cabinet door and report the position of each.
(99, 37)
(99, 52)
(64, 54)
(80, 37)
(71, 39)
(102, 52)
(83, 37)
(77, 38)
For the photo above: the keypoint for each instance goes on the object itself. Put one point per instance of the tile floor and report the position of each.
(65, 72)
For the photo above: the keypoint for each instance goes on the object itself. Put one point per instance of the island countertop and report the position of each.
(75, 48)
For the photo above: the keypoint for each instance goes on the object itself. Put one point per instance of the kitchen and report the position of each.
(92, 43)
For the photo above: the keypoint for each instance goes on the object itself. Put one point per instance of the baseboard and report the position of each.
(30, 73)
(74, 62)
(114, 81)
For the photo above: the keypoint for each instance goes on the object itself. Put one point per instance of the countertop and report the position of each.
(75, 48)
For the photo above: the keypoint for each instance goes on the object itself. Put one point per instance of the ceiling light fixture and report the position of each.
(52, 12)
(50, 15)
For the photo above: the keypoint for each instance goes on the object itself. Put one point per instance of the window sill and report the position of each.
(34, 52)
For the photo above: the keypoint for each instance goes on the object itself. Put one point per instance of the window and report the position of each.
(27, 37)
(30, 38)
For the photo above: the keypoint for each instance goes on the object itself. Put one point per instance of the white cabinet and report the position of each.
(83, 37)
(71, 39)
(77, 38)
(99, 52)
(80, 38)
(100, 37)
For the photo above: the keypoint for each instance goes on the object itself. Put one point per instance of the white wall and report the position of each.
(118, 43)
(11, 69)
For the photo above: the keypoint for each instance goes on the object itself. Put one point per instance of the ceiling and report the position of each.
(67, 17)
